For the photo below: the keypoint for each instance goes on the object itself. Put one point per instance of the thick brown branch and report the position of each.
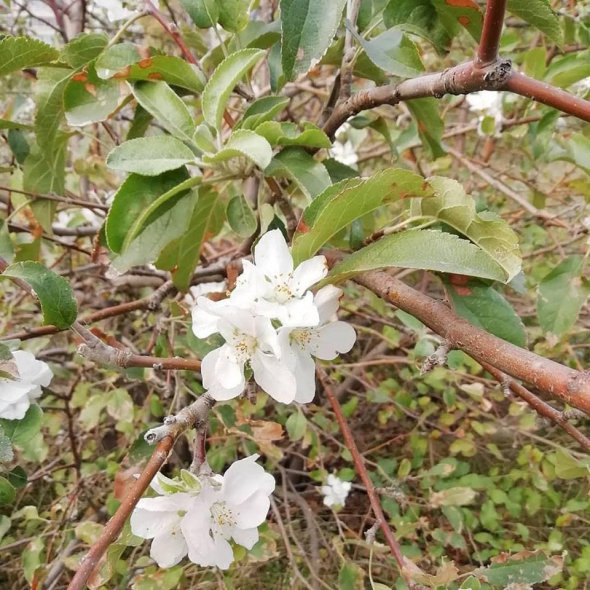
(549, 95)
(115, 525)
(554, 379)
(539, 405)
(492, 29)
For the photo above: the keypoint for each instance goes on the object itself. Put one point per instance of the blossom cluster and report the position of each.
(21, 379)
(273, 326)
(199, 516)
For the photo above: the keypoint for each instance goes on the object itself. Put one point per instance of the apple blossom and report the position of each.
(487, 103)
(24, 386)
(335, 491)
(198, 517)
(325, 341)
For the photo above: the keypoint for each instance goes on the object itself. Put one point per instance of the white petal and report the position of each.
(244, 478)
(274, 377)
(253, 511)
(222, 554)
(308, 273)
(14, 391)
(148, 524)
(32, 370)
(196, 528)
(221, 371)
(206, 316)
(250, 285)
(15, 411)
(327, 301)
(334, 338)
(267, 336)
(300, 313)
(271, 254)
(305, 374)
(245, 537)
(169, 548)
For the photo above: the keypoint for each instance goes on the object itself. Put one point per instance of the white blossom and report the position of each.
(200, 517)
(335, 491)
(487, 103)
(24, 386)
(325, 341)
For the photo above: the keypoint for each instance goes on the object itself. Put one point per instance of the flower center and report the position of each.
(223, 518)
(244, 346)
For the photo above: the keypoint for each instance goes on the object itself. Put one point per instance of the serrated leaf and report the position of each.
(227, 74)
(308, 28)
(150, 156)
(394, 53)
(299, 166)
(429, 123)
(525, 567)
(182, 255)
(539, 14)
(455, 208)
(169, 224)
(240, 216)
(423, 249)
(261, 110)
(484, 307)
(17, 53)
(245, 144)
(20, 432)
(340, 204)
(56, 297)
(287, 133)
(89, 99)
(158, 99)
(233, 14)
(561, 294)
(83, 49)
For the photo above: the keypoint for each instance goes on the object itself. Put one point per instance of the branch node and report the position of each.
(437, 358)
(497, 74)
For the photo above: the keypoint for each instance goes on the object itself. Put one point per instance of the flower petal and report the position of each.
(334, 338)
(300, 313)
(147, 523)
(271, 254)
(169, 548)
(32, 370)
(222, 554)
(206, 316)
(245, 537)
(253, 511)
(244, 478)
(308, 273)
(274, 377)
(196, 528)
(222, 374)
(327, 300)
(305, 374)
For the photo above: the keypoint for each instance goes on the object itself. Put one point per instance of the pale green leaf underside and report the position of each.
(424, 249)
(247, 144)
(454, 207)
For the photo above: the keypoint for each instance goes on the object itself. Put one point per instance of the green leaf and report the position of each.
(219, 87)
(455, 208)
(296, 425)
(350, 576)
(20, 432)
(484, 307)
(170, 223)
(286, 133)
(7, 492)
(134, 196)
(524, 568)
(394, 53)
(561, 294)
(233, 14)
(308, 28)
(182, 256)
(89, 99)
(56, 297)
(430, 124)
(83, 49)
(424, 249)
(6, 453)
(114, 60)
(150, 156)
(204, 13)
(6, 124)
(240, 216)
(244, 143)
(539, 14)
(261, 110)
(17, 53)
(577, 151)
(340, 204)
(568, 467)
(568, 70)
(158, 99)
(460, 13)
(456, 496)
(299, 166)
